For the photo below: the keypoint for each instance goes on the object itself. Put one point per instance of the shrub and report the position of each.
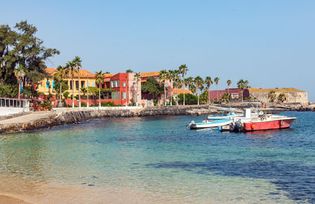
(83, 104)
(7, 90)
(190, 99)
(107, 104)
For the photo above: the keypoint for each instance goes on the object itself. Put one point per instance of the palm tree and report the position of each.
(164, 76)
(174, 78)
(99, 79)
(72, 69)
(228, 82)
(77, 63)
(19, 74)
(216, 81)
(137, 78)
(199, 86)
(183, 69)
(208, 82)
(242, 84)
(60, 75)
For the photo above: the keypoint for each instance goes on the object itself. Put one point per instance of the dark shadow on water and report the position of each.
(298, 180)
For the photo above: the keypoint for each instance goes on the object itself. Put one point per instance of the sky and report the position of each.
(270, 43)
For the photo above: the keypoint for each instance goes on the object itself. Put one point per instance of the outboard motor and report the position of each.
(238, 126)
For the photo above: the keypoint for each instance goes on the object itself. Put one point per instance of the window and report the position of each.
(71, 85)
(112, 84)
(77, 85)
(124, 95)
(82, 84)
(115, 95)
(124, 84)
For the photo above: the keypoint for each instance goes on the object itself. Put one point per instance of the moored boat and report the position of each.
(209, 124)
(269, 123)
(230, 115)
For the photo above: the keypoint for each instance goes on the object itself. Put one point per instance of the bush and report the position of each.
(7, 90)
(190, 99)
(107, 104)
(66, 94)
(83, 104)
(46, 105)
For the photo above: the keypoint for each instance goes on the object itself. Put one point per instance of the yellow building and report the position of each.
(87, 79)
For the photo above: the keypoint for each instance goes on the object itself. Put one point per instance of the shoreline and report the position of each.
(45, 119)
(60, 116)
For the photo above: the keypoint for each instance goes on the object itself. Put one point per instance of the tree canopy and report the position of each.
(19, 47)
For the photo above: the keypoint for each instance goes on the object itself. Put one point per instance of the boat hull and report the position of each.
(268, 125)
(212, 124)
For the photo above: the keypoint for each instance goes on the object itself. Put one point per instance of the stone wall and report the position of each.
(75, 116)
(292, 97)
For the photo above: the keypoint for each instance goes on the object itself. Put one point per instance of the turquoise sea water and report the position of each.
(159, 155)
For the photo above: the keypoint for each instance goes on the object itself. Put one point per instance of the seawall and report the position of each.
(67, 116)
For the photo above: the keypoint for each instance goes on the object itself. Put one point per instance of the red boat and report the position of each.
(271, 122)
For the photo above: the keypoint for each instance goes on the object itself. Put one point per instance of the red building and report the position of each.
(236, 94)
(119, 85)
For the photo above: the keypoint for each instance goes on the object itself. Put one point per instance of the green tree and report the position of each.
(99, 79)
(183, 69)
(208, 82)
(199, 86)
(191, 99)
(153, 87)
(129, 71)
(20, 47)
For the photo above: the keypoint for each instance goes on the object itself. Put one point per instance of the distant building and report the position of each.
(236, 94)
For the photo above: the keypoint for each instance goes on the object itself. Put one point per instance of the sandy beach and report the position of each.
(14, 190)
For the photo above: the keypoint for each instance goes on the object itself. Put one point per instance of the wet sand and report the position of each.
(5, 199)
(21, 191)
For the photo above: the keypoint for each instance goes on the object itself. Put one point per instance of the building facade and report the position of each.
(236, 94)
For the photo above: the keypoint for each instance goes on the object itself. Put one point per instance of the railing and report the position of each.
(15, 103)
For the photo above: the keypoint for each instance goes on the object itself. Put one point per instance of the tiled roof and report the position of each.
(83, 73)
(149, 74)
(262, 90)
(181, 91)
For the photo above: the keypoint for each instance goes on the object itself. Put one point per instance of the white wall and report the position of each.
(4, 111)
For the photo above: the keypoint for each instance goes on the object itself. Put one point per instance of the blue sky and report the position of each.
(271, 43)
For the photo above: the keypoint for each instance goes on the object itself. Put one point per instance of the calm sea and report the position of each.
(159, 155)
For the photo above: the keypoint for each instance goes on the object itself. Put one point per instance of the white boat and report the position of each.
(209, 124)
(230, 115)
